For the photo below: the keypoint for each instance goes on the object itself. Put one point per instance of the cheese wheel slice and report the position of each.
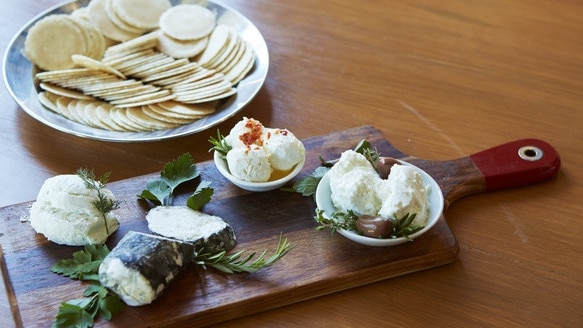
(206, 232)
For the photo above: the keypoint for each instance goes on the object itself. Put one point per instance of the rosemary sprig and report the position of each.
(404, 226)
(220, 145)
(241, 262)
(103, 204)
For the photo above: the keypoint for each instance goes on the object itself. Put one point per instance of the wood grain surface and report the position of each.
(320, 263)
(441, 80)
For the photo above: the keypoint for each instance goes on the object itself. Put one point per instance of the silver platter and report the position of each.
(18, 76)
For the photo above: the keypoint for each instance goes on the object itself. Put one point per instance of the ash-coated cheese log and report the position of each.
(140, 267)
(208, 233)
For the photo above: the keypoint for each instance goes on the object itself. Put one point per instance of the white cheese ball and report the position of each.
(353, 183)
(249, 164)
(286, 150)
(404, 193)
(65, 214)
(245, 126)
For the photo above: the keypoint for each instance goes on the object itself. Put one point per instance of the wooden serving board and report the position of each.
(320, 263)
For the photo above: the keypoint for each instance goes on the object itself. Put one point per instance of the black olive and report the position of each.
(384, 166)
(374, 226)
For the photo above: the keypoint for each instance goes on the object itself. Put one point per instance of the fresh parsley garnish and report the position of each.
(220, 145)
(84, 264)
(201, 196)
(308, 185)
(241, 262)
(103, 204)
(98, 301)
(176, 172)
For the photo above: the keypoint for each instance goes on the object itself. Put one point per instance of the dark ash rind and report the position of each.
(141, 266)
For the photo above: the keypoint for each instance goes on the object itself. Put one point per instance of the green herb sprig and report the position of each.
(339, 220)
(220, 145)
(239, 262)
(402, 227)
(176, 172)
(103, 204)
(98, 301)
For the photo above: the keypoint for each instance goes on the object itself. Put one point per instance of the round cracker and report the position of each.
(138, 116)
(100, 19)
(115, 19)
(217, 41)
(91, 63)
(63, 91)
(141, 13)
(159, 113)
(181, 49)
(52, 40)
(187, 22)
(187, 109)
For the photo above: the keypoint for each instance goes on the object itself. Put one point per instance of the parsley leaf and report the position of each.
(156, 191)
(201, 196)
(179, 170)
(175, 172)
(84, 264)
(98, 301)
(307, 186)
(72, 315)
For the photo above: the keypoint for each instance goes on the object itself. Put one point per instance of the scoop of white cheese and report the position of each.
(404, 193)
(249, 164)
(257, 150)
(65, 214)
(355, 185)
(286, 150)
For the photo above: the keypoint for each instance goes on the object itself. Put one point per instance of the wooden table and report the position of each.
(441, 80)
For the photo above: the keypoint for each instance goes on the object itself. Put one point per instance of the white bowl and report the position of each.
(222, 166)
(435, 198)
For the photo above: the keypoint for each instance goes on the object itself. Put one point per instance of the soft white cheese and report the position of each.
(243, 127)
(65, 214)
(183, 223)
(353, 183)
(249, 164)
(257, 150)
(404, 193)
(131, 286)
(286, 150)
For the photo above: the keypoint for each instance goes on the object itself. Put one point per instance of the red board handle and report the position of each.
(517, 163)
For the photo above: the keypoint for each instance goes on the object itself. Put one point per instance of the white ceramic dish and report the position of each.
(436, 202)
(18, 73)
(221, 165)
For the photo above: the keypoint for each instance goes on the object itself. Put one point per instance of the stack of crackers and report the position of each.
(137, 70)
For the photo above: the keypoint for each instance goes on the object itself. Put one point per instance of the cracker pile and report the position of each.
(155, 68)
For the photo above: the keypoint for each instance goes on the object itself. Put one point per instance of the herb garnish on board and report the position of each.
(99, 302)
(103, 204)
